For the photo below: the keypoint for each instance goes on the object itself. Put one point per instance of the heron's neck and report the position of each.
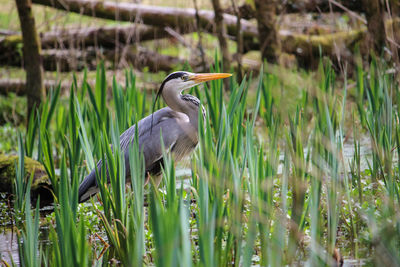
(183, 103)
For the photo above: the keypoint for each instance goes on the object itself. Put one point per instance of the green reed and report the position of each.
(69, 243)
(21, 183)
(381, 121)
(28, 245)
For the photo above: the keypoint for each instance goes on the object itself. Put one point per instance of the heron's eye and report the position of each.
(184, 78)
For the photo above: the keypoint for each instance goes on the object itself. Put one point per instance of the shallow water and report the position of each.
(348, 153)
(353, 262)
(8, 245)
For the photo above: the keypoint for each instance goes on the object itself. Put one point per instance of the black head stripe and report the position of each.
(173, 75)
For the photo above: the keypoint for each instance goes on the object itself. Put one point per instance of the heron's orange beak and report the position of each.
(204, 77)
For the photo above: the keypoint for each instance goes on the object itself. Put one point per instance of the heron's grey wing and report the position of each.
(166, 121)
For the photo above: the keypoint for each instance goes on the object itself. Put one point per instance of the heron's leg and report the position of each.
(147, 179)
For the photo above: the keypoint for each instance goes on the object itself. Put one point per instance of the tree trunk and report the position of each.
(223, 45)
(31, 51)
(374, 12)
(268, 35)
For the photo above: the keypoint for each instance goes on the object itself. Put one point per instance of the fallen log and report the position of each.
(107, 36)
(308, 48)
(177, 18)
(69, 60)
(307, 45)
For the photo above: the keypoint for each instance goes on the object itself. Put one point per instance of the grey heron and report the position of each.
(178, 124)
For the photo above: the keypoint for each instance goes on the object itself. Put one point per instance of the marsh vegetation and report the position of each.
(267, 185)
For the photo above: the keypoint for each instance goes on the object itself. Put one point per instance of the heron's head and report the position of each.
(182, 80)
(178, 81)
